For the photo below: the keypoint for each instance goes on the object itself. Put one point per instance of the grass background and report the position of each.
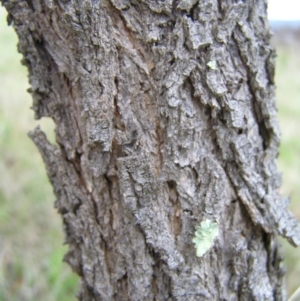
(31, 241)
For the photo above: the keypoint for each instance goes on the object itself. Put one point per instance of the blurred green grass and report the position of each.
(287, 79)
(31, 249)
(31, 239)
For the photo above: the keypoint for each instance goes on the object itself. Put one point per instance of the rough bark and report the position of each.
(165, 117)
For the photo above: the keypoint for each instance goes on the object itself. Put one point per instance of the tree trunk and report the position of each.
(165, 122)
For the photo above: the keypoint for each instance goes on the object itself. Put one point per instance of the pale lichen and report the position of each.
(212, 65)
(205, 236)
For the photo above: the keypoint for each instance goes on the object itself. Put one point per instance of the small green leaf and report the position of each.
(205, 236)
(212, 65)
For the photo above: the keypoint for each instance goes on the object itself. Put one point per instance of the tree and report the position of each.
(165, 124)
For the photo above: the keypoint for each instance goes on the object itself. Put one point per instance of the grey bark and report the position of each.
(165, 117)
